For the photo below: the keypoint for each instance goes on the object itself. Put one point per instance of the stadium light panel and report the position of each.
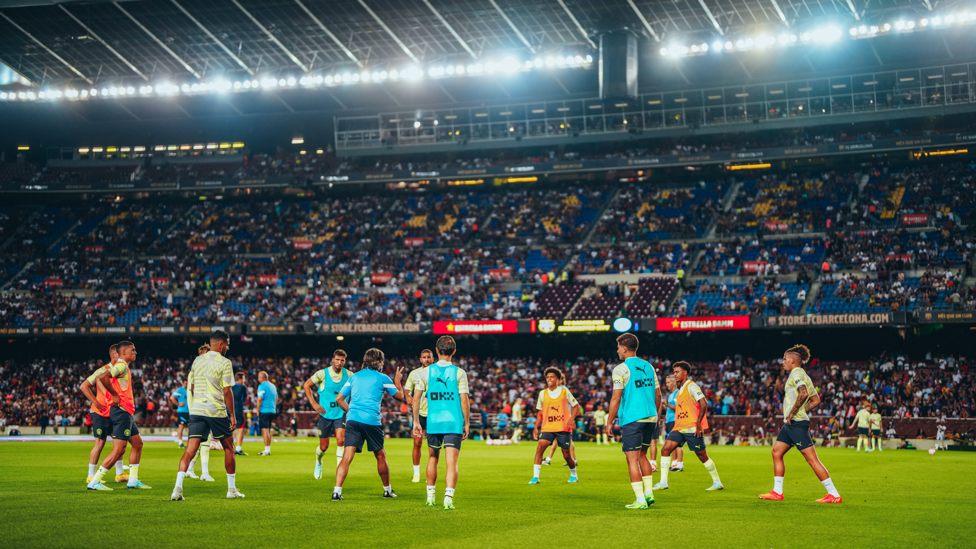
(664, 51)
(910, 25)
(717, 46)
(140, 149)
(924, 22)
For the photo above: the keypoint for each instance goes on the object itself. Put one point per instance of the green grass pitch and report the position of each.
(891, 499)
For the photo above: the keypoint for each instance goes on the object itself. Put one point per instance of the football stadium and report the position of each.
(666, 270)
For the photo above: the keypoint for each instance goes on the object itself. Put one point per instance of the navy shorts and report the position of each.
(265, 420)
(358, 433)
(450, 440)
(239, 416)
(637, 435)
(202, 427)
(101, 426)
(668, 425)
(123, 424)
(862, 431)
(184, 418)
(796, 434)
(876, 432)
(562, 439)
(695, 444)
(328, 427)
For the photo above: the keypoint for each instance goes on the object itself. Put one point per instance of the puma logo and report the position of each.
(441, 380)
(554, 409)
(641, 370)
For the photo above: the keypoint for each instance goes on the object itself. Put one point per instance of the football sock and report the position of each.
(118, 467)
(829, 485)
(318, 455)
(238, 449)
(710, 465)
(231, 481)
(665, 467)
(205, 459)
(179, 479)
(339, 451)
(133, 473)
(874, 443)
(92, 467)
(99, 475)
(572, 472)
(192, 465)
(535, 470)
(778, 485)
(860, 441)
(638, 490)
(267, 449)
(387, 489)
(416, 470)
(431, 492)
(449, 494)
(648, 482)
(337, 490)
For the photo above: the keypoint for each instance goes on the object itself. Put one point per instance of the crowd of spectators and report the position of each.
(645, 213)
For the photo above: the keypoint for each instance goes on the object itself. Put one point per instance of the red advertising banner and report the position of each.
(266, 280)
(703, 323)
(198, 246)
(95, 249)
(160, 280)
(500, 274)
(380, 278)
(777, 226)
(53, 282)
(914, 219)
(413, 241)
(448, 327)
(302, 244)
(753, 266)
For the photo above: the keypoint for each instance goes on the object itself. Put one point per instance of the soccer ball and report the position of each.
(507, 442)
(932, 451)
(174, 434)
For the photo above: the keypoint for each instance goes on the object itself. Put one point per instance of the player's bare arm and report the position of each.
(801, 398)
(612, 414)
(466, 410)
(229, 402)
(311, 396)
(104, 380)
(418, 394)
(340, 400)
(658, 401)
(702, 410)
(397, 381)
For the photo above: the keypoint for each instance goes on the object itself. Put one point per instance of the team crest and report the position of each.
(547, 326)
(98, 431)
(126, 432)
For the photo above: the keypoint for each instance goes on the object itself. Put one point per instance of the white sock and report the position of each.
(449, 494)
(665, 467)
(416, 469)
(638, 490)
(572, 472)
(648, 482)
(339, 452)
(118, 467)
(778, 485)
(535, 470)
(337, 490)
(829, 485)
(267, 449)
(192, 466)
(205, 468)
(431, 492)
(387, 489)
(133, 473)
(231, 481)
(318, 455)
(205, 459)
(710, 466)
(179, 479)
(92, 467)
(237, 449)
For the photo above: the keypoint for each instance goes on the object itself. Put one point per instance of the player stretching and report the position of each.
(557, 408)
(445, 388)
(801, 397)
(863, 418)
(178, 400)
(360, 399)
(426, 359)
(101, 422)
(875, 428)
(117, 380)
(689, 426)
(267, 409)
(240, 391)
(211, 411)
(637, 396)
(677, 464)
(332, 420)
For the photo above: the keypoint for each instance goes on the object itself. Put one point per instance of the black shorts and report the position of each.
(862, 431)
(450, 440)
(266, 419)
(637, 435)
(562, 439)
(184, 418)
(101, 426)
(358, 433)
(202, 427)
(328, 427)
(876, 432)
(695, 444)
(123, 424)
(668, 425)
(241, 421)
(796, 434)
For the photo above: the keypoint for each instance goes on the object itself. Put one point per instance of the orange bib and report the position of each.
(101, 395)
(687, 411)
(556, 414)
(123, 387)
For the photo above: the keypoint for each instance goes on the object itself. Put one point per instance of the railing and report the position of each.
(812, 98)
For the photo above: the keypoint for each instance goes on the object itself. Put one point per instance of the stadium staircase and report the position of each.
(807, 306)
(57, 241)
(599, 217)
(23, 270)
(26, 223)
